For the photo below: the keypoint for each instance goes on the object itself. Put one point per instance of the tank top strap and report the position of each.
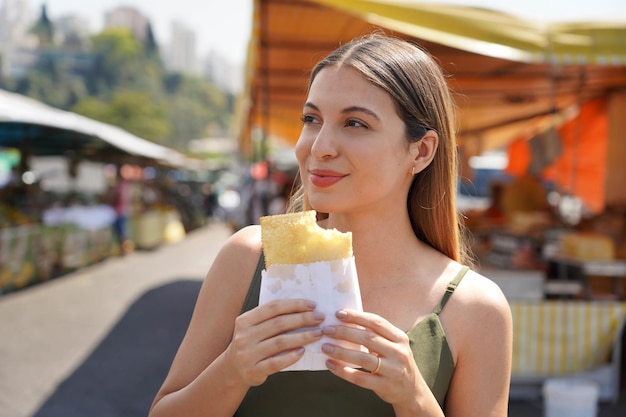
(451, 287)
(252, 298)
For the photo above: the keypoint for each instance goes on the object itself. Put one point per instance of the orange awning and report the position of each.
(507, 73)
(581, 167)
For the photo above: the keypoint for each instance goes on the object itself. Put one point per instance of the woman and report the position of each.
(377, 158)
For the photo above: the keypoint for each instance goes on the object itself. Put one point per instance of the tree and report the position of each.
(43, 28)
(124, 83)
(150, 45)
(133, 111)
(194, 106)
(117, 62)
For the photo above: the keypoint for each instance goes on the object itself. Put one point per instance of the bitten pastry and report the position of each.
(295, 238)
(303, 260)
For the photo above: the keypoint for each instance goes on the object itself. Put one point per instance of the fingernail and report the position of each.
(300, 351)
(316, 332)
(327, 348)
(331, 365)
(341, 314)
(329, 330)
(318, 315)
(311, 304)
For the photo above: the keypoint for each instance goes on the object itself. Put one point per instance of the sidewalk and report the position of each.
(99, 342)
(128, 313)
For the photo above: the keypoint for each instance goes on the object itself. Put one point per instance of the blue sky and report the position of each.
(224, 25)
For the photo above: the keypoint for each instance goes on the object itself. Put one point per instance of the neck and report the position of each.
(383, 246)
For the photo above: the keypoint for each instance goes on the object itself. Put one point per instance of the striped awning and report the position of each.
(563, 337)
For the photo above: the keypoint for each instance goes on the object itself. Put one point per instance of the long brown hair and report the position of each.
(423, 101)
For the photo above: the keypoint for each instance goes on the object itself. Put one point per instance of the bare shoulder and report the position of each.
(246, 240)
(479, 330)
(225, 287)
(230, 274)
(477, 306)
(227, 281)
(239, 256)
(249, 236)
(478, 293)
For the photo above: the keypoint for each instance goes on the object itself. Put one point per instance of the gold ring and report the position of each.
(377, 365)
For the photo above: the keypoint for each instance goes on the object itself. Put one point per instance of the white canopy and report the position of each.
(50, 131)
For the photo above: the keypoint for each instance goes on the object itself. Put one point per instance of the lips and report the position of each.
(325, 178)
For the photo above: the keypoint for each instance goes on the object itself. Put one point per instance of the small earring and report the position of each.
(413, 170)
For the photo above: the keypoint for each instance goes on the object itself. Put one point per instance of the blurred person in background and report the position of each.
(122, 203)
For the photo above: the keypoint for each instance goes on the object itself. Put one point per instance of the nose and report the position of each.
(324, 144)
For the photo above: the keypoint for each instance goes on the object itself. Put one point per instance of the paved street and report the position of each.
(98, 342)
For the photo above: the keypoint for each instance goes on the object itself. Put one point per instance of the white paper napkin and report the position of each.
(333, 285)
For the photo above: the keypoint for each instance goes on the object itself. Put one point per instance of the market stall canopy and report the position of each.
(510, 76)
(573, 157)
(42, 130)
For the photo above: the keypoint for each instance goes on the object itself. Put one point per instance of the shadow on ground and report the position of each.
(122, 375)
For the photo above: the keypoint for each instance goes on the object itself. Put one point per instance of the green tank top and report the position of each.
(320, 393)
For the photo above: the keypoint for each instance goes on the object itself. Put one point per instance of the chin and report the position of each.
(326, 205)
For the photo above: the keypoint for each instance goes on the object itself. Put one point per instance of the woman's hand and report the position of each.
(388, 368)
(265, 340)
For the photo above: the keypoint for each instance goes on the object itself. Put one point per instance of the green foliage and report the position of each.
(117, 45)
(118, 60)
(94, 108)
(133, 111)
(122, 82)
(197, 108)
(48, 84)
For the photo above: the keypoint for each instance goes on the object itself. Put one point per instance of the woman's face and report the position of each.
(352, 151)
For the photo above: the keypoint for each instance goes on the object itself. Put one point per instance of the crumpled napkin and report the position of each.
(333, 285)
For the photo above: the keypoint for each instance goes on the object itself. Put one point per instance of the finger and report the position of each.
(355, 376)
(371, 321)
(288, 323)
(287, 341)
(275, 308)
(376, 370)
(279, 362)
(255, 360)
(359, 336)
(364, 360)
(284, 350)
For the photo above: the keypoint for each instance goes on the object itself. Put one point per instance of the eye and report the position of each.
(355, 123)
(308, 119)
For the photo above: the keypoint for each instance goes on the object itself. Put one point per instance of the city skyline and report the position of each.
(180, 52)
(220, 26)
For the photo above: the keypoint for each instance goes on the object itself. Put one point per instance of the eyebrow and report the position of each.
(347, 109)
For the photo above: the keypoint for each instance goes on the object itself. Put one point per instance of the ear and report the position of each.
(424, 150)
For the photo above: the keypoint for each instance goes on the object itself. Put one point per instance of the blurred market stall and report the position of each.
(56, 202)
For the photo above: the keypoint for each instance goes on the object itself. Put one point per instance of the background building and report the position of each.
(218, 70)
(16, 20)
(181, 52)
(127, 17)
